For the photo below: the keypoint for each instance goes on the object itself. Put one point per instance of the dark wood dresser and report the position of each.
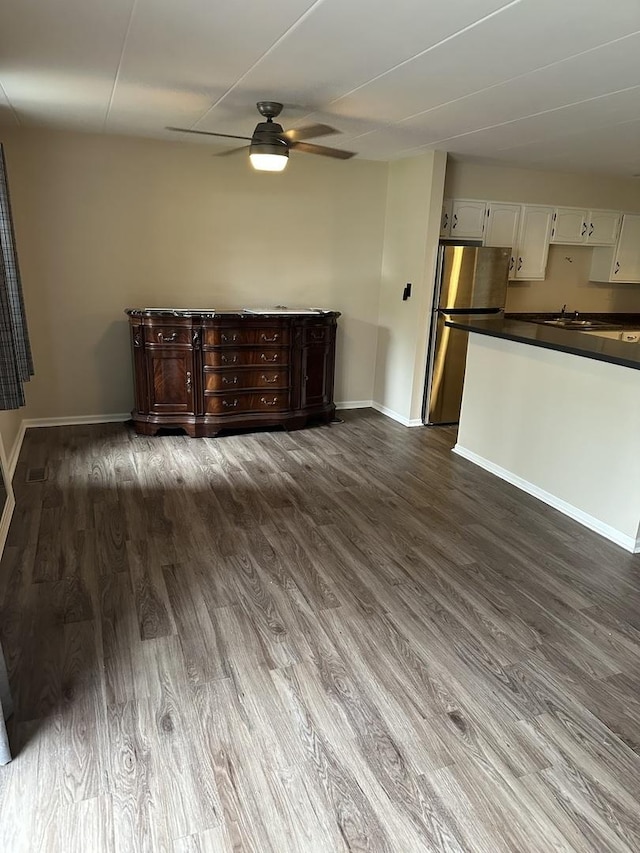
(205, 371)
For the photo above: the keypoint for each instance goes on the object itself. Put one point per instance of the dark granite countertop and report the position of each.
(550, 337)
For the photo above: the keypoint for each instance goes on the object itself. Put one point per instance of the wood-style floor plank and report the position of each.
(339, 639)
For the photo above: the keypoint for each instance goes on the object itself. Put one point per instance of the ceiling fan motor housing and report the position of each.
(267, 139)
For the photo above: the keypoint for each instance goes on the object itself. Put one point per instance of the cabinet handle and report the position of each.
(271, 381)
(226, 360)
(455, 220)
(137, 341)
(512, 263)
(229, 405)
(445, 220)
(267, 402)
(189, 381)
(590, 230)
(226, 381)
(263, 357)
(317, 334)
(519, 267)
(584, 229)
(267, 340)
(617, 269)
(195, 340)
(227, 338)
(167, 339)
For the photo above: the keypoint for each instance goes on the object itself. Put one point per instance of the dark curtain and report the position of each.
(16, 364)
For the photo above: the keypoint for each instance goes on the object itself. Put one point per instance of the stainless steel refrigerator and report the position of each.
(471, 281)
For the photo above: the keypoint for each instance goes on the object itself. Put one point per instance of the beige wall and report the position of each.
(414, 201)
(502, 183)
(104, 223)
(566, 282)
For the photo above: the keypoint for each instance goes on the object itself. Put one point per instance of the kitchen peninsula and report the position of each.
(557, 414)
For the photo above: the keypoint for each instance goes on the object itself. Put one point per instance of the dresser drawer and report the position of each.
(162, 335)
(316, 334)
(238, 357)
(246, 335)
(240, 404)
(233, 380)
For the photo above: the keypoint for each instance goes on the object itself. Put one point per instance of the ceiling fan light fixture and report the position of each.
(269, 156)
(269, 162)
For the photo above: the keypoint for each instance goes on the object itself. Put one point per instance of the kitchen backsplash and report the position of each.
(567, 282)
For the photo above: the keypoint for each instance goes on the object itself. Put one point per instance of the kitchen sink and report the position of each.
(573, 323)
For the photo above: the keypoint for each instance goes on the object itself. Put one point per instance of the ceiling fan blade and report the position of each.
(231, 151)
(310, 148)
(310, 131)
(208, 133)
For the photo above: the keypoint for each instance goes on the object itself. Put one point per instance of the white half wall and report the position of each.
(562, 427)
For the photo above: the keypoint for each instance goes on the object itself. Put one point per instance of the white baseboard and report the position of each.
(77, 419)
(12, 461)
(590, 521)
(395, 416)
(5, 521)
(354, 404)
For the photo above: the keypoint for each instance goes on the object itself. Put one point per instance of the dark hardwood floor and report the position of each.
(339, 639)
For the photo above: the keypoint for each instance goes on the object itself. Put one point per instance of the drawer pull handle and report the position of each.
(137, 342)
(512, 263)
(229, 405)
(617, 269)
(263, 357)
(266, 402)
(584, 229)
(519, 267)
(226, 381)
(266, 378)
(195, 340)
(267, 340)
(167, 339)
(227, 338)
(317, 335)
(445, 221)
(188, 381)
(590, 230)
(226, 360)
(455, 220)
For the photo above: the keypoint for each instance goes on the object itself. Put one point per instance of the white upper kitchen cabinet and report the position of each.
(533, 242)
(445, 221)
(502, 229)
(569, 225)
(467, 219)
(622, 262)
(585, 227)
(603, 227)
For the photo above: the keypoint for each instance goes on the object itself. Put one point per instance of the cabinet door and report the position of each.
(570, 225)
(317, 375)
(171, 379)
(467, 219)
(603, 227)
(533, 242)
(626, 266)
(502, 229)
(445, 221)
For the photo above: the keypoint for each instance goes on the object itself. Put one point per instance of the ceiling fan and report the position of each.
(270, 144)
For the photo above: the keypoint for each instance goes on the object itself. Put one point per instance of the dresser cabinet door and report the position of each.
(171, 378)
(317, 357)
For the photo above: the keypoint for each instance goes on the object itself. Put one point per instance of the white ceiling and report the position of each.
(538, 83)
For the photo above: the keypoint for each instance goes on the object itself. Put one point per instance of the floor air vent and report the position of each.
(36, 475)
